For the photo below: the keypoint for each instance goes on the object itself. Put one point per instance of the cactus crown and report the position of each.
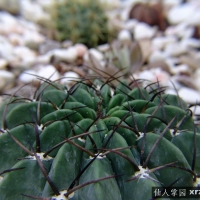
(96, 141)
(82, 22)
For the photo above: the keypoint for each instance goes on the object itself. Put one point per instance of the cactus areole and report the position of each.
(96, 141)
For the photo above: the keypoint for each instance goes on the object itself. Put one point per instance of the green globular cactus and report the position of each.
(82, 21)
(96, 141)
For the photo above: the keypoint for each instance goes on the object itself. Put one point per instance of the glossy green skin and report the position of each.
(113, 122)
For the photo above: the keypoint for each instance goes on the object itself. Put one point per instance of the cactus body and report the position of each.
(85, 143)
(82, 22)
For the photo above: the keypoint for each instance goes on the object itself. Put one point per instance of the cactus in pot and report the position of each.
(96, 141)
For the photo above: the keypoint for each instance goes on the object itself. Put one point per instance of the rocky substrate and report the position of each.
(169, 56)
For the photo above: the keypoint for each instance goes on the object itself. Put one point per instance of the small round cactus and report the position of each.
(96, 141)
(82, 22)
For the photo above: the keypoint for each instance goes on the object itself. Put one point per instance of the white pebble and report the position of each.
(9, 24)
(171, 3)
(44, 59)
(195, 110)
(32, 11)
(6, 49)
(94, 52)
(157, 56)
(197, 78)
(180, 13)
(172, 61)
(27, 76)
(25, 55)
(81, 49)
(124, 35)
(11, 6)
(170, 91)
(181, 30)
(190, 43)
(183, 68)
(189, 95)
(68, 77)
(161, 42)
(154, 75)
(69, 55)
(104, 47)
(6, 74)
(3, 63)
(175, 49)
(32, 39)
(6, 79)
(48, 72)
(143, 30)
(130, 24)
(187, 12)
(23, 52)
(15, 39)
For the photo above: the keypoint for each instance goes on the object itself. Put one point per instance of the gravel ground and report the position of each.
(163, 48)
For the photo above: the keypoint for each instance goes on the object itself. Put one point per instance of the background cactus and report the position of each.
(96, 141)
(82, 22)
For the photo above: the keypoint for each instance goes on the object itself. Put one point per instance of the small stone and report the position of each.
(7, 80)
(143, 30)
(195, 110)
(191, 59)
(44, 59)
(3, 63)
(178, 69)
(189, 95)
(69, 55)
(32, 11)
(196, 78)
(81, 50)
(9, 24)
(48, 45)
(175, 49)
(190, 43)
(130, 24)
(94, 52)
(104, 47)
(48, 72)
(161, 42)
(170, 91)
(160, 64)
(186, 81)
(6, 49)
(182, 30)
(29, 25)
(22, 52)
(145, 47)
(15, 39)
(11, 6)
(187, 12)
(124, 35)
(32, 39)
(180, 13)
(171, 3)
(172, 61)
(25, 55)
(69, 78)
(157, 56)
(154, 75)
(27, 76)
(66, 44)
